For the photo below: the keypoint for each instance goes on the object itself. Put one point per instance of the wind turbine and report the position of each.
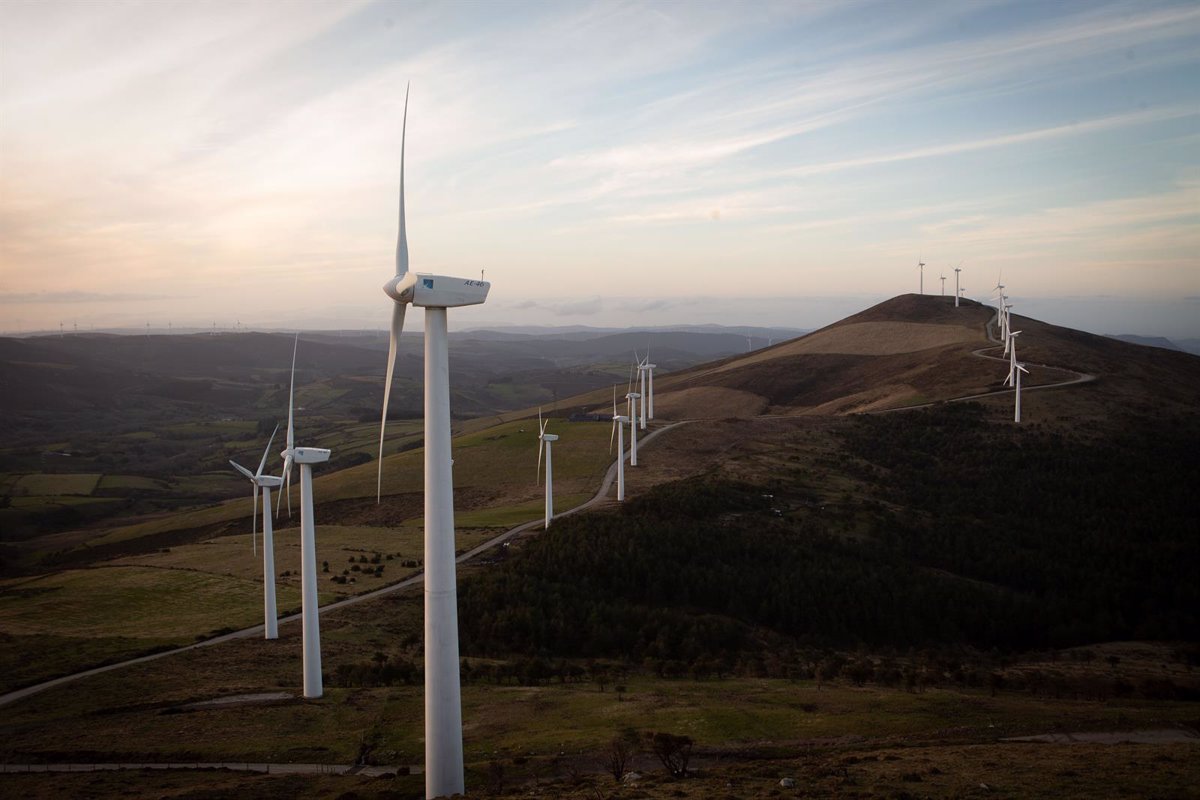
(310, 611)
(999, 289)
(957, 293)
(265, 483)
(649, 385)
(641, 379)
(943, 276)
(546, 439)
(443, 693)
(618, 430)
(921, 267)
(1007, 325)
(631, 405)
(1012, 357)
(1018, 368)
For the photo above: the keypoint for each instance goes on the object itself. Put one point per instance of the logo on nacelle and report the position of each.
(428, 282)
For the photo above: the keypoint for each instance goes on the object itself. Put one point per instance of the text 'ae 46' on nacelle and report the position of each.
(442, 291)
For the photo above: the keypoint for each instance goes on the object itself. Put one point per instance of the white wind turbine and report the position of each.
(1007, 325)
(618, 430)
(957, 292)
(443, 694)
(1012, 357)
(999, 289)
(921, 267)
(649, 384)
(943, 277)
(265, 483)
(310, 610)
(641, 382)
(631, 410)
(1018, 368)
(546, 439)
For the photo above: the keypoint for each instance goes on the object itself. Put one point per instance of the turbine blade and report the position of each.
(538, 475)
(242, 470)
(541, 425)
(254, 524)
(292, 391)
(286, 475)
(288, 465)
(402, 236)
(612, 437)
(614, 399)
(263, 463)
(398, 312)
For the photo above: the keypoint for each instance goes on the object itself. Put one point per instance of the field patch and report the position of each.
(128, 601)
(129, 482)
(43, 484)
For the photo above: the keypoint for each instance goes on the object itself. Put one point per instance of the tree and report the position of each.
(617, 757)
(673, 751)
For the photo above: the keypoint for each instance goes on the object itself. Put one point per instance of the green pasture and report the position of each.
(130, 482)
(131, 601)
(210, 427)
(511, 516)
(232, 556)
(41, 484)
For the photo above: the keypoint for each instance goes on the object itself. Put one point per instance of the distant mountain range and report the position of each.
(1183, 345)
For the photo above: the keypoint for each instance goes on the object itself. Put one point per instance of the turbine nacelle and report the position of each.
(307, 455)
(443, 291)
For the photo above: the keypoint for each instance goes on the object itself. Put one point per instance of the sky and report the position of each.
(602, 163)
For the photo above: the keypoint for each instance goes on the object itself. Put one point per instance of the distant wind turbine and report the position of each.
(641, 384)
(1019, 368)
(310, 611)
(618, 430)
(631, 408)
(546, 439)
(265, 483)
(921, 267)
(650, 367)
(957, 293)
(1012, 357)
(943, 275)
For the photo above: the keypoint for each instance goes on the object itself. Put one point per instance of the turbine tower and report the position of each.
(1012, 357)
(943, 276)
(650, 367)
(921, 267)
(265, 483)
(641, 379)
(443, 694)
(546, 439)
(957, 293)
(1018, 369)
(618, 430)
(310, 611)
(632, 406)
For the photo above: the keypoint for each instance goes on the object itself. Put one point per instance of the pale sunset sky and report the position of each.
(606, 163)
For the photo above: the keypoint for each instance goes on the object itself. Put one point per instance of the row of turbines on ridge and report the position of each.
(1003, 323)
